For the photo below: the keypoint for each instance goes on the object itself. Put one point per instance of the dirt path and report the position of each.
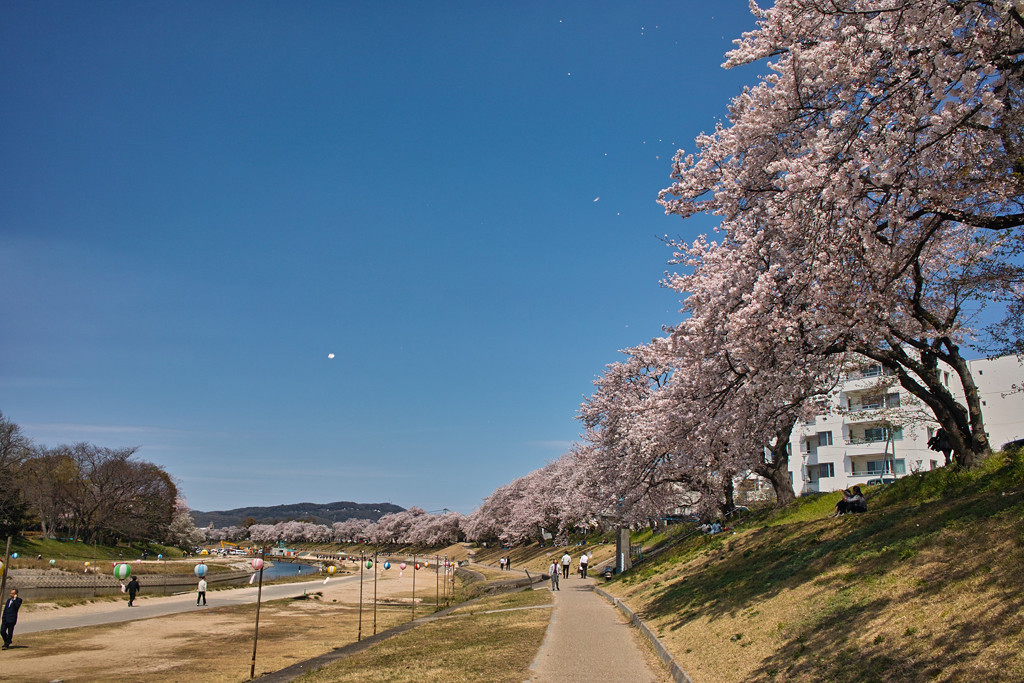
(170, 639)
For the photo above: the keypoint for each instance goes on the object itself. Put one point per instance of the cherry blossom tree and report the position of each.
(435, 529)
(264, 533)
(351, 530)
(869, 190)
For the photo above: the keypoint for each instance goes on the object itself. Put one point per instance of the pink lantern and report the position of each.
(402, 565)
(257, 563)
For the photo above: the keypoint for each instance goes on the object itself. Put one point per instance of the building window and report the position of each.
(872, 434)
(892, 401)
(877, 434)
(886, 467)
(825, 438)
(871, 402)
(826, 469)
(872, 371)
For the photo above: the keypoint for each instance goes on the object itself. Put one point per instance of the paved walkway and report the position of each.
(118, 611)
(588, 638)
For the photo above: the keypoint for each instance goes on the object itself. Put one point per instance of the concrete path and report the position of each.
(144, 608)
(589, 639)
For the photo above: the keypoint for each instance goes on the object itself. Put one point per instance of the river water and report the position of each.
(158, 584)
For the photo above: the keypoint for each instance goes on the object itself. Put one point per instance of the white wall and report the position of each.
(858, 451)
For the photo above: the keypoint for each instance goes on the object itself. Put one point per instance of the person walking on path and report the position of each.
(133, 588)
(501, 562)
(10, 618)
(553, 572)
(201, 595)
(583, 565)
(566, 563)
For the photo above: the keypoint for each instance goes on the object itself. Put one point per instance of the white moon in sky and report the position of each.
(330, 355)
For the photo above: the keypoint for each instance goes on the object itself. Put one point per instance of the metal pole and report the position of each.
(375, 592)
(437, 585)
(259, 597)
(414, 586)
(359, 633)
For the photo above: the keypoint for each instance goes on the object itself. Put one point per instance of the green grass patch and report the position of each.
(927, 581)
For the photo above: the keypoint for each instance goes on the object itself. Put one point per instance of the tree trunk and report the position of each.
(777, 471)
(728, 489)
(922, 377)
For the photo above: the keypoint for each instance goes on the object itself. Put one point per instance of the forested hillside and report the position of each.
(319, 513)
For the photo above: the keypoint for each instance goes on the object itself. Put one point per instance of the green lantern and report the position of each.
(369, 564)
(122, 571)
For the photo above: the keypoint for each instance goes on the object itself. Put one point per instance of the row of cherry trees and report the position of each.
(413, 526)
(870, 193)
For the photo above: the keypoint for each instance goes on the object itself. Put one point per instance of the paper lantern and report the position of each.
(204, 551)
(53, 562)
(122, 571)
(401, 566)
(1, 566)
(14, 556)
(425, 564)
(387, 565)
(138, 561)
(369, 564)
(200, 570)
(257, 563)
(159, 557)
(86, 564)
(417, 565)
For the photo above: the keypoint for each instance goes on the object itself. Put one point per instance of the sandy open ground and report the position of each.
(178, 641)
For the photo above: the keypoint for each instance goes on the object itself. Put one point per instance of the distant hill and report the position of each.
(319, 513)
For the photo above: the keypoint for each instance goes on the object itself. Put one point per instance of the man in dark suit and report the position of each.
(10, 618)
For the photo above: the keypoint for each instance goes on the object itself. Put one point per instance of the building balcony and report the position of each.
(855, 384)
(863, 449)
(859, 415)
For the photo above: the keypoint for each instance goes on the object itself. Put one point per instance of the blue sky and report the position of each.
(200, 201)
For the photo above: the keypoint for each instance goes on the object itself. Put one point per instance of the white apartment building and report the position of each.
(877, 429)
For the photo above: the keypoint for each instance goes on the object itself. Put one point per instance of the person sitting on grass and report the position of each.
(852, 501)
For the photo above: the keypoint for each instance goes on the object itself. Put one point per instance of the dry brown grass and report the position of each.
(478, 645)
(212, 645)
(910, 592)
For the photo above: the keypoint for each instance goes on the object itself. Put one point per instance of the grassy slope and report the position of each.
(926, 586)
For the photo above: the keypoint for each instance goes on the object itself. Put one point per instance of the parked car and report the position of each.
(880, 480)
(1018, 443)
